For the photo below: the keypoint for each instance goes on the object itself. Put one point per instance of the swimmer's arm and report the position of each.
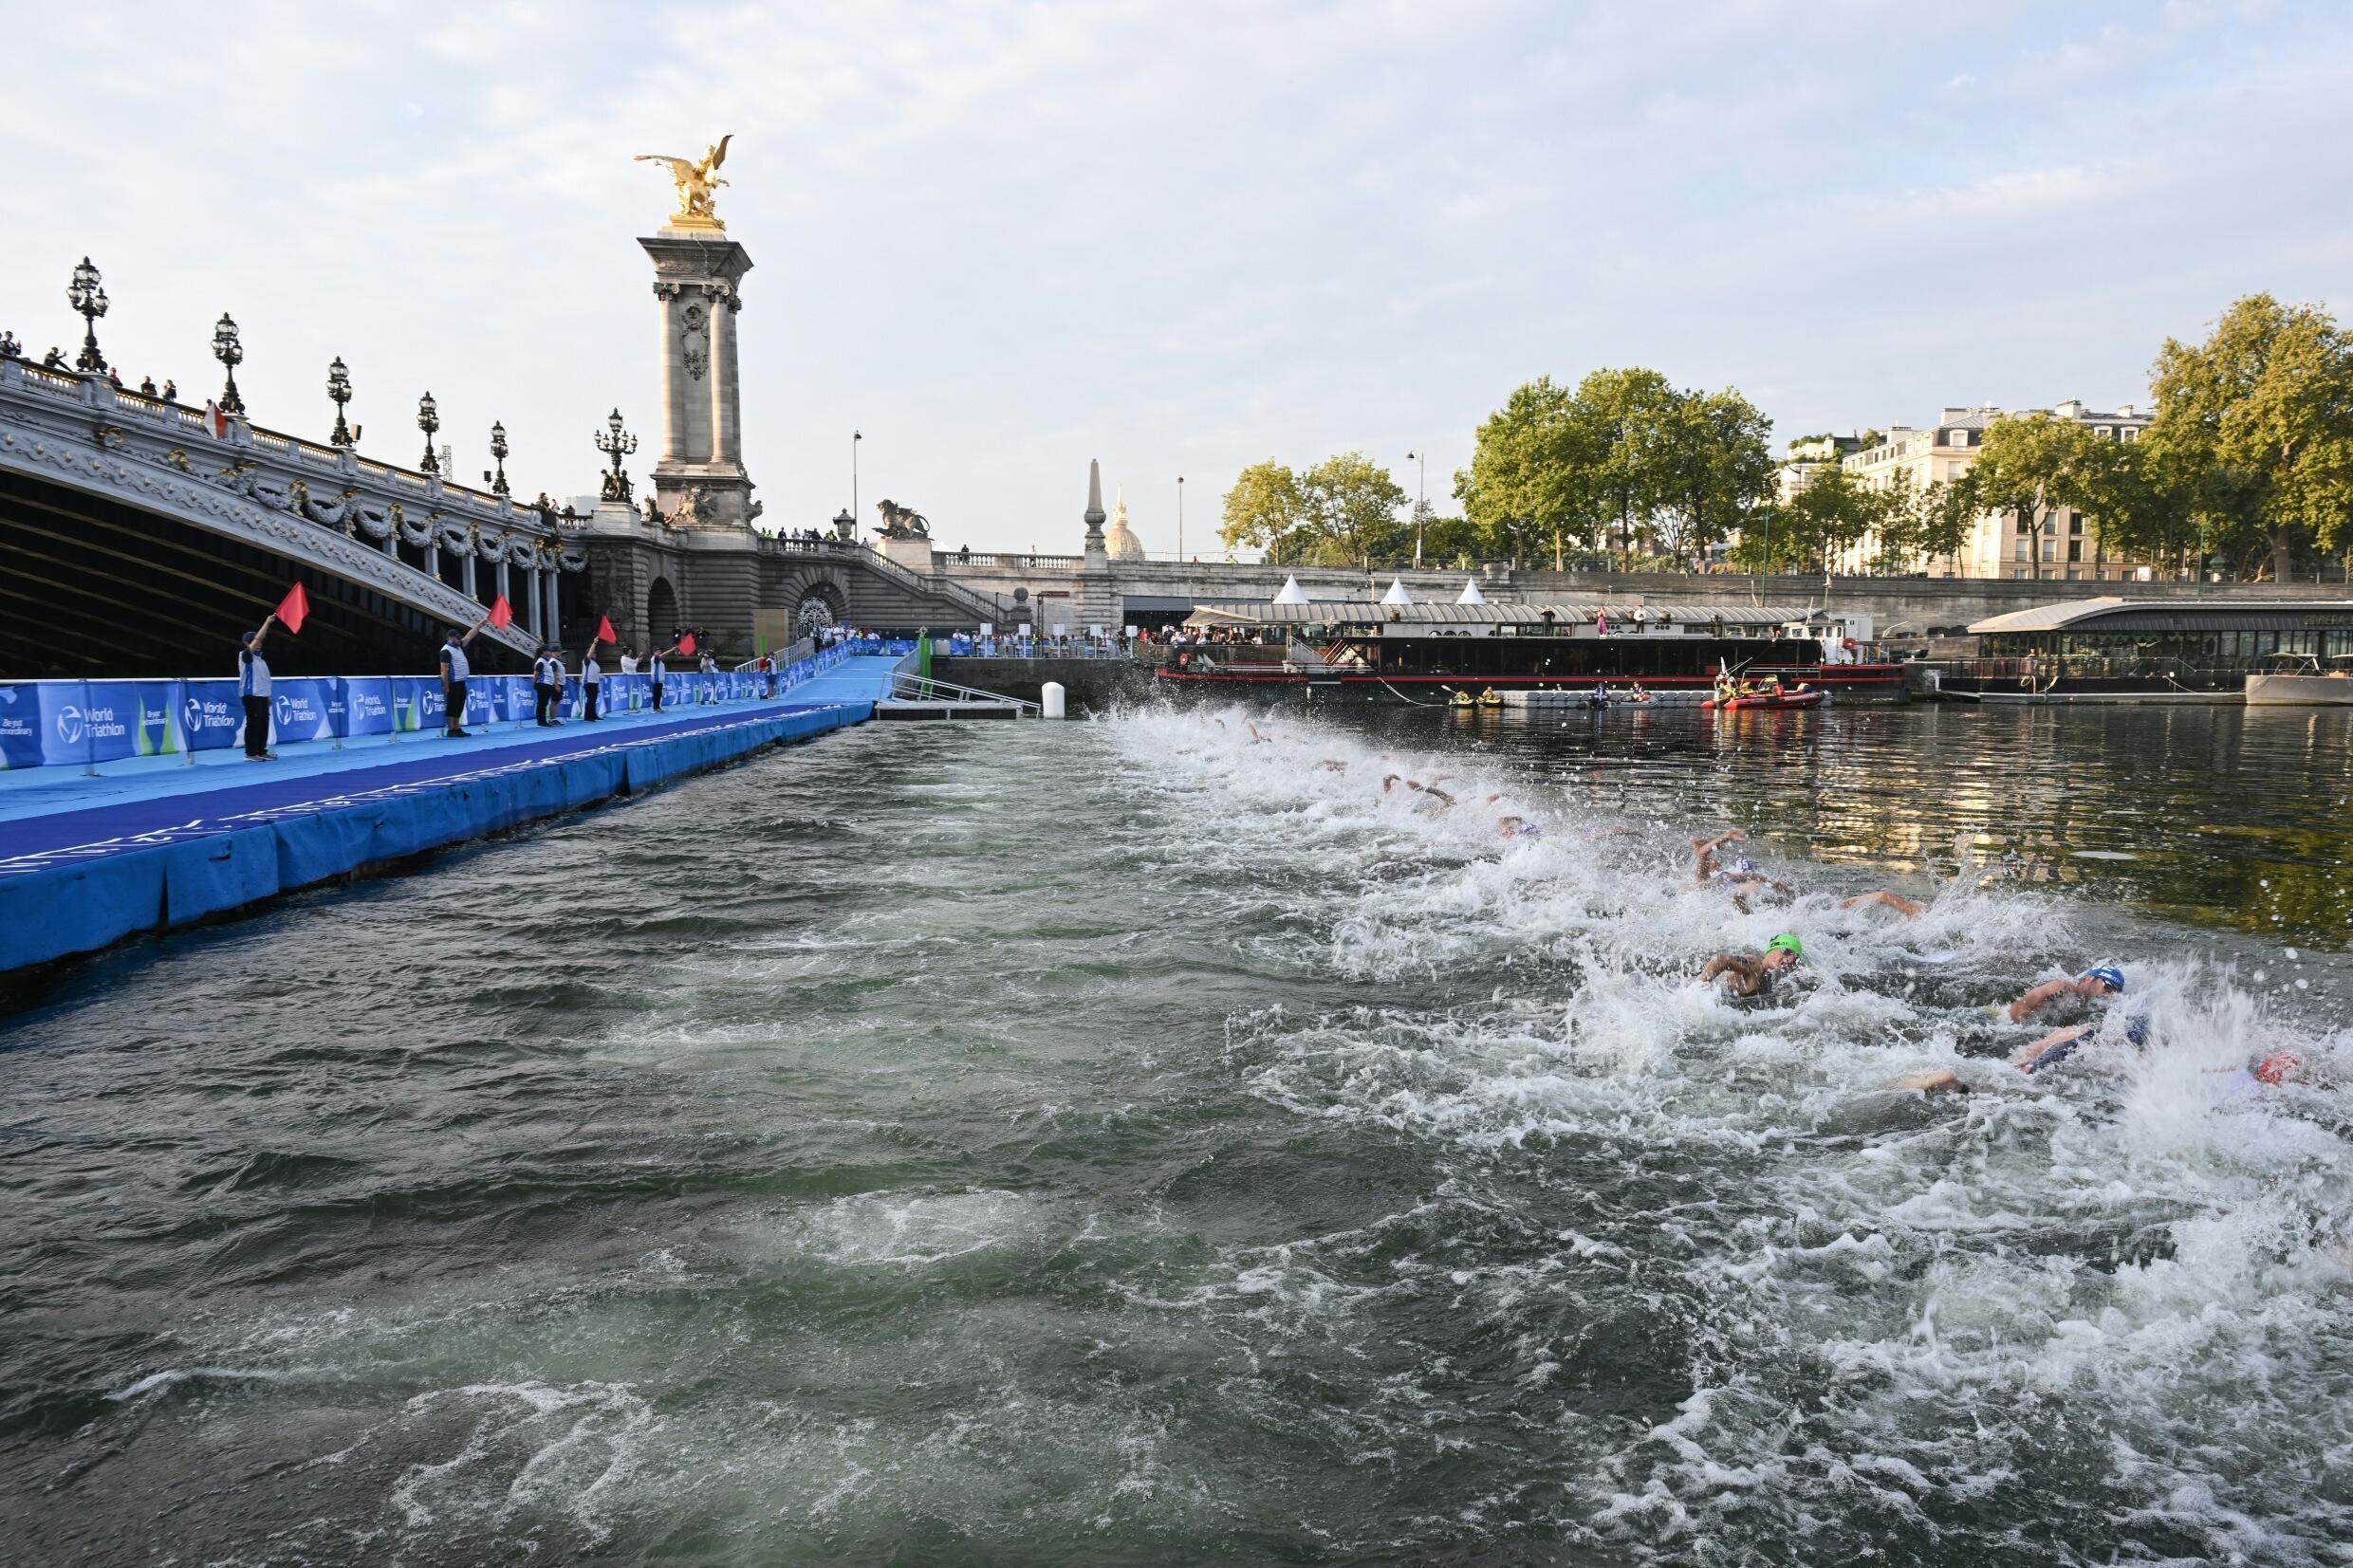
(2026, 1056)
(2037, 997)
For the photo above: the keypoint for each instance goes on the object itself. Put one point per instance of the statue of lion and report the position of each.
(902, 522)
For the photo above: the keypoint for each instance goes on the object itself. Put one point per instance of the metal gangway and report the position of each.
(915, 696)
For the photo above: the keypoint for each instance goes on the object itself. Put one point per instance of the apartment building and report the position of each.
(1997, 544)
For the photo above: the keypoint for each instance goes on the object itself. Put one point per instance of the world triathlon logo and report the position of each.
(69, 725)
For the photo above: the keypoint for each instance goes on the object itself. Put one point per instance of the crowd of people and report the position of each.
(55, 359)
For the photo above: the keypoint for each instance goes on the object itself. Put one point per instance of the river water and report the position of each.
(1121, 1142)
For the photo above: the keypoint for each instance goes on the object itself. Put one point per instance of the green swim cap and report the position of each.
(1789, 944)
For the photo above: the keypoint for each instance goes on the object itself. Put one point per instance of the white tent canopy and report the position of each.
(1397, 594)
(1292, 593)
(1470, 595)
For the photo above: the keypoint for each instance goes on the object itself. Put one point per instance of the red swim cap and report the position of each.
(2277, 1069)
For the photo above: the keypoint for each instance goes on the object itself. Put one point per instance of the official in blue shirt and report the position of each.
(453, 672)
(254, 685)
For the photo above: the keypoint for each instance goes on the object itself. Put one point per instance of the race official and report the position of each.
(453, 672)
(254, 685)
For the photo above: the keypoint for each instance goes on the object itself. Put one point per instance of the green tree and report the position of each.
(1833, 513)
(1924, 523)
(2033, 464)
(1264, 509)
(2144, 504)
(1341, 512)
(1715, 469)
(1619, 420)
(2257, 422)
(1351, 505)
(1529, 473)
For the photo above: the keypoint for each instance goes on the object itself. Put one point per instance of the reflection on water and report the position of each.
(2219, 816)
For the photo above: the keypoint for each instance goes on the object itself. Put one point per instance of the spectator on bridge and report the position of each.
(547, 684)
(10, 347)
(114, 378)
(453, 672)
(591, 676)
(53, 359)
(170, 390)
(964, 555)
(147, 386)
(254, 685)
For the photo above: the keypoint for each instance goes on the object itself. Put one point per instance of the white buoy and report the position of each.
(1050, 700)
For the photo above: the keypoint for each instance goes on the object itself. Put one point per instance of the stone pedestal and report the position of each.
(1098, 604)
(913, 554)
(699, 480)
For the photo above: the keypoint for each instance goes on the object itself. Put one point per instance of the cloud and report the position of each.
(1004, 238)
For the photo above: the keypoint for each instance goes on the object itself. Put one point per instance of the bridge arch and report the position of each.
(661, 612)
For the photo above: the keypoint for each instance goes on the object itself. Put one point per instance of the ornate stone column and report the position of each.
(530, 615)
(555, 605)
(701, 482)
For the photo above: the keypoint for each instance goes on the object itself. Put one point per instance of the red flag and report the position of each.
(293, 609)
(605, 628)
(216, 421)
(686, 645)
(502, 613)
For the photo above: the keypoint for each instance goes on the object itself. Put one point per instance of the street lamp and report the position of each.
(1421, 498)
(231, 353)
(855, 438)
(617, 444)
(339, 388)
(1180, 517)
(89, 301)
(428, 421)
(499, 451)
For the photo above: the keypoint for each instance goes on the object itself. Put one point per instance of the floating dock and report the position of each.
(154, 842)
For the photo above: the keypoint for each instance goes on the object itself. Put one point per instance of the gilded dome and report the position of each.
(1119, 541)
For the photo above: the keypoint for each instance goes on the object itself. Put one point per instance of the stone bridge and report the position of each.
(1915, 607)
(136, 541)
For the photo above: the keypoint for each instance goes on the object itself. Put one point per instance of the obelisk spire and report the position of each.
(1094, 505)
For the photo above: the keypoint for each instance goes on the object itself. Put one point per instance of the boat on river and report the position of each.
(2302, 681)
(1527, 654)
(1765, 699)
(2145, 650)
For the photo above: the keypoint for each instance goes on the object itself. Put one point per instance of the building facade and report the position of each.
(1998, 545)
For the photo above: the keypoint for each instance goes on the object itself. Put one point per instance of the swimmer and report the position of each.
(1329, 764)
(1905, 907)
(1257, 739)
(1518, 827)
(2100, 981)
(1740, 878)
(1754, 976)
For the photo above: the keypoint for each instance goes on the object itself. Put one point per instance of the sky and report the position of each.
(1000, 240)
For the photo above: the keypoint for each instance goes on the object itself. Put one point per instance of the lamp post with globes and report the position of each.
(498, 454)
(428, 421)
(856, 436)
(616, 443)
(339, 388)
(87, 295)
(231, 353)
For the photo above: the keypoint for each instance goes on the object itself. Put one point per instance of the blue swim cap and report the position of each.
(1742, 863)
(2109, 972)
(2136, 1030)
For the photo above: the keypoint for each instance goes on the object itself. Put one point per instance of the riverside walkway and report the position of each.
(151, 843)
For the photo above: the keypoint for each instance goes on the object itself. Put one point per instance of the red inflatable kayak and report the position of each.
(1785, 699)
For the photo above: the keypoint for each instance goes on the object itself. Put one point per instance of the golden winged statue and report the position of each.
(696, 179)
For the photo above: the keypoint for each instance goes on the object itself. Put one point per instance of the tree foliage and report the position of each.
(2253, 432)
(2032, 464)
(1341, 512)
(1624, 458)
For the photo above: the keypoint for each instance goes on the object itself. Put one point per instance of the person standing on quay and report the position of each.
(453, 672)
(547, 682)
(591, 676)
(656, 668)
(254, 685)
